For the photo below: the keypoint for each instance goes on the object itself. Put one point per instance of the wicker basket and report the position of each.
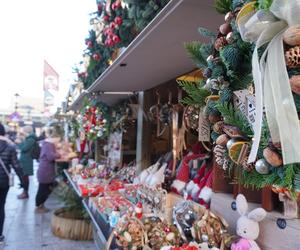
(64, 226)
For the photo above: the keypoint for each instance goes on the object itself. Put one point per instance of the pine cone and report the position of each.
(292, 57)
(247, 166)
(220, 43)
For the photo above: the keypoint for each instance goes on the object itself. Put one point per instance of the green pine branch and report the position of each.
(196, 93)
(256, 180)
(235, 118)
(207, 33)
(223, 6)
(194, 52)
(264, 4)
(296, 181)
(289, 174)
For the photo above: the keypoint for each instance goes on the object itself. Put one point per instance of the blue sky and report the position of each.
(34, 30)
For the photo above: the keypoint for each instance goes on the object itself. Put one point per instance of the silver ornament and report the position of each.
(210, 58)
(208, 84)
(261, 166)
(187, 217)
(204, 237)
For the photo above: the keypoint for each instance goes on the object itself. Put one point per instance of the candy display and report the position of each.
(160, 233)
(130, 233)
(209, 229)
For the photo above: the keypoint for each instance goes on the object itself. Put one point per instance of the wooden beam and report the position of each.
(143, 147)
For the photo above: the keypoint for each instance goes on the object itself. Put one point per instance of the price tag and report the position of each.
(204, 127)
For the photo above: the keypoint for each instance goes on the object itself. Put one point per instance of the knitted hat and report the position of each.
(2, 130)
(196, 180)
(182, 178)
(206, 191)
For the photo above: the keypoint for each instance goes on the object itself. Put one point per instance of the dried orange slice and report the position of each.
(236, 149)
(212, 98)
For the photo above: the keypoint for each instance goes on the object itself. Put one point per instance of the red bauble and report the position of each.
(108, 32)
(118, 4)
(106, 18)
(82, 74)
(118, 20)
(116, 39)
(114, 6)
(109, 42)
(96, 57)
(112, 25)
(89, 44)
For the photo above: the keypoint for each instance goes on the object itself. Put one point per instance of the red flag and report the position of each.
(50, 77)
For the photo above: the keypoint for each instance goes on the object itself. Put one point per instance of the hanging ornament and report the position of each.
(210, 58)
(138, 210)
(89, 44)
(96, 57)
(116, 39)
(191, 117)
(112, 26)
(106, 18)
(261, 166)
(114, 218)
(118, 20)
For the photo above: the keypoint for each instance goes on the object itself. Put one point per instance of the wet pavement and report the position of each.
(26, 230)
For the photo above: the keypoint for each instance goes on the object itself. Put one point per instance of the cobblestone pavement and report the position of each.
(25, 230)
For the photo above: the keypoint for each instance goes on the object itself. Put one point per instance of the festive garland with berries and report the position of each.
(94, 120)
(226, 65)
(115, 24)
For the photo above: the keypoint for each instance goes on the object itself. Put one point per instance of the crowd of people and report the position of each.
(19, 154)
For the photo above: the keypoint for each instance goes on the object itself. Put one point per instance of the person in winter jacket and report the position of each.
(46, 170)
(8, 155)
(26, 147)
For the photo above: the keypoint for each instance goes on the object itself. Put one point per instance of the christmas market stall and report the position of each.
(186, 118)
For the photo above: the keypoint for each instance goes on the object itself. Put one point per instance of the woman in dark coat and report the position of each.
(8, 156)
(26, 161)
(46, 170)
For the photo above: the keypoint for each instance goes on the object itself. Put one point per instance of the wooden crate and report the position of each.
(221, 183)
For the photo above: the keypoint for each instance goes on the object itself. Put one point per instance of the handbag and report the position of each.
(11, 176)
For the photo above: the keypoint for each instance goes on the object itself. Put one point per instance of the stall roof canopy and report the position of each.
(157, 54)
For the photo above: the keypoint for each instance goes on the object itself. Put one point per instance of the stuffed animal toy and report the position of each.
(247, 225)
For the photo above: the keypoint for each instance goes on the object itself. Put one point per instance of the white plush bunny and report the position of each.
(247, 225)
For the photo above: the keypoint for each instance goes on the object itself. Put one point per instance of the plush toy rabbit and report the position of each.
(247, 225)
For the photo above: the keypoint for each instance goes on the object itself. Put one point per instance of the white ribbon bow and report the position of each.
(272, 86)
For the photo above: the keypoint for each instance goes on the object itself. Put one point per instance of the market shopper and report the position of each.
(46, 170)
(26, 140)
(8, 159)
